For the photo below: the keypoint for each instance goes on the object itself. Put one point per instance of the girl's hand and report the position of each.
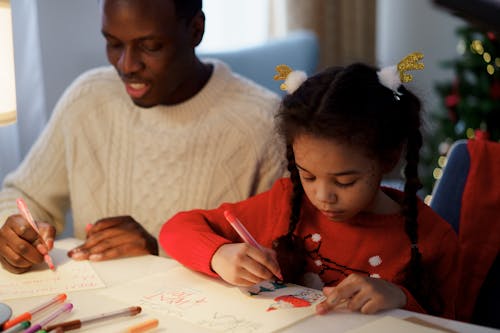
(361, 293)
(243, 265)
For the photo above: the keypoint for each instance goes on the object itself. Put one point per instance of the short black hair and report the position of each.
(187, 8)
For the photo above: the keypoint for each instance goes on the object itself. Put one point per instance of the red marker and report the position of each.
(28, 315)
(23, 209)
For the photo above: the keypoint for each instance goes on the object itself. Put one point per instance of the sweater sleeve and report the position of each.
(41, 179)
(194, 236)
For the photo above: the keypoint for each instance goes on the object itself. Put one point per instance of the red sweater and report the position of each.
(373, 245)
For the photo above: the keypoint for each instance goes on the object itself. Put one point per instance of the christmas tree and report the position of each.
(470, 102)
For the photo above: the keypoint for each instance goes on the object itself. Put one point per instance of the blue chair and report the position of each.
(447, 193)
(299, 50)
(447, 201)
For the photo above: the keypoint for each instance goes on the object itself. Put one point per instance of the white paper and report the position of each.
(215, 305)
(70, 275)
(389, 324)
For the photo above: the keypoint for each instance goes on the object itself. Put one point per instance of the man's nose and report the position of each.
(129, 61)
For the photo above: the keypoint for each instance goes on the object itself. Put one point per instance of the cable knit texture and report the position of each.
(373, 245)
(104, 156)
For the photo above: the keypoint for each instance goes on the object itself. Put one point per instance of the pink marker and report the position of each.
(244, 234)
(241, 230)
(23, 209)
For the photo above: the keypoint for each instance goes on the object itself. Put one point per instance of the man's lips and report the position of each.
(136, 89)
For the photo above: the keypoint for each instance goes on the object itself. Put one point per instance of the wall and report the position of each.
(404, 26)
(54, 41)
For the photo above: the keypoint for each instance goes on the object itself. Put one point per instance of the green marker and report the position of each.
(19, 327)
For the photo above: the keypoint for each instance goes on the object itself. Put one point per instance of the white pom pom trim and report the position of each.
(389, 77)
(293, 81)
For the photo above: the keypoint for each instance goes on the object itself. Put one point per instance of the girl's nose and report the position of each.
(326, 194)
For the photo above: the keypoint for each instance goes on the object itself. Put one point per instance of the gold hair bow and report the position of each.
(410, 62)
(282, 74)
(293, 79)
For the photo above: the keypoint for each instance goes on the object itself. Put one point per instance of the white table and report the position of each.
(89, 302)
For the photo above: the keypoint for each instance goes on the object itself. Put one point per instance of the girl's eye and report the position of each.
(307, 178)
(345, 184)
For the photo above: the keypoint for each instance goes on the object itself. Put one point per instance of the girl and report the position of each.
(331, 225)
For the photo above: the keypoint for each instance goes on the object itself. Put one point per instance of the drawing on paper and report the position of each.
(69, 275)
(213, 304)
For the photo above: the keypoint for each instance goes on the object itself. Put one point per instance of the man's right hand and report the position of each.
(20, 245)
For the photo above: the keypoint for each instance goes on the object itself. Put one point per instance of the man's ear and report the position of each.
(197, 28)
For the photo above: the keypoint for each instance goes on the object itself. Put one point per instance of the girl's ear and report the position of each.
(197, 27)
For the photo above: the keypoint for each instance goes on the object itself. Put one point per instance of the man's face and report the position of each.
(150, 47)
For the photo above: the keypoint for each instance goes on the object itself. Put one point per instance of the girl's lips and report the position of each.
(137, 90)
(332, 214)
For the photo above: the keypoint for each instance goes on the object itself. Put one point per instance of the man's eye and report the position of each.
(152, 46)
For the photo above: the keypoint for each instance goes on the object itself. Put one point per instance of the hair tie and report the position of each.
(293, 79)
(393, 76)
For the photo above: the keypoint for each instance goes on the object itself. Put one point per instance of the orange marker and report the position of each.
(143, 327)
(23, 209)
(28, 315)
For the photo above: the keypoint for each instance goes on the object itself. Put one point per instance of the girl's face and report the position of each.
(339, 179)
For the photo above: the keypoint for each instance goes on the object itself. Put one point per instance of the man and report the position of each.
(128, 148)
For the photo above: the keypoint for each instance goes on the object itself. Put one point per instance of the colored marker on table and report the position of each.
(66, 307)
(23, 209)
(143, 327)
(76, 324)
(28, 315)
(18, 328)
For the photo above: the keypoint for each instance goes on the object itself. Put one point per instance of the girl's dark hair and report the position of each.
(351, 106)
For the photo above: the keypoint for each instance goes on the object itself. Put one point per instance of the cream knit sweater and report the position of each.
(102, 156)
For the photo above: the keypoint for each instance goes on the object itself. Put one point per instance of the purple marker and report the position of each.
(66, 307)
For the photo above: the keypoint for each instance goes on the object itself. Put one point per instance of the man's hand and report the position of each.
(115, 237)
(20, 245)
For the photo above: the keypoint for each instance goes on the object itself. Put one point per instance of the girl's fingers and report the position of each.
(268, 265)
(256, 269)
(335, 296)
(358, 301)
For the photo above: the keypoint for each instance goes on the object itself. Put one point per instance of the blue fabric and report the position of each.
(447, 194)
(299, 50)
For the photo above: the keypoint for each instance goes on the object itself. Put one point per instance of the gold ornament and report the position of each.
(283, 71)
(410, 62)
